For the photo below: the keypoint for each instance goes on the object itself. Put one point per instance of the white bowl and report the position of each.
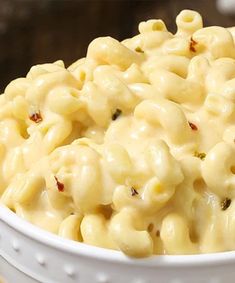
(29, 254)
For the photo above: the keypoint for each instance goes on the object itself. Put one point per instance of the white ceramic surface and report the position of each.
(28, 254)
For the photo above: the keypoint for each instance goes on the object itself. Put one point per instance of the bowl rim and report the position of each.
(81, 249)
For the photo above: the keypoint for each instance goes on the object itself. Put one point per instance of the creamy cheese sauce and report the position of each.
(131, 148)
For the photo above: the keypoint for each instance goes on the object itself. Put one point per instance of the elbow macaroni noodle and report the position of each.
(131, 148)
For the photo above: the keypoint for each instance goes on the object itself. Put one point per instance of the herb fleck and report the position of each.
(138, 49)
(60, 186)
(200, 155)
(36, 117)
(193, 126)
(150, 227)
(192, 45)
(116, 114)
(158, 233)
(225, 203)
(134, 191)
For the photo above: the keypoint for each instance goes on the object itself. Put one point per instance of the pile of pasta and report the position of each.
(131, 148)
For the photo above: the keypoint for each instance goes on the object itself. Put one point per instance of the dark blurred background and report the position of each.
(37, 31)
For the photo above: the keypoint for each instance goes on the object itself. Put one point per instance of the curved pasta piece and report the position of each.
(70, 228)
(118, 162)
(83, 70)
(179, 46)
(86, 194)
(222, 71)
(85, 185)
(20, 108)
(157, 112)
(17, 87)
(106, 50)
(220, 106)
(217, 170)
(13, 163)
(221, 78)
(95, 231)
(172, 63)
(152, 25)
(41, 69)
(134, 74)
(175, 88)
(217, 40)
(163, 164)
(56, 134)
(212, 238)
(188, 22)
(190, 190)
(198, 69)
(64, 100)
(116, 90)
(175, 235)
(33, 184)
(143, 91)
(228, 135)
(43, 84)
(10, 133)
(129, 239)
(149, 41)
(228, 227)
(96, 103)
(155, 195)
(7, 198)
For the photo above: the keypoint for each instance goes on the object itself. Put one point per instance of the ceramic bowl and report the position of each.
(29, 254)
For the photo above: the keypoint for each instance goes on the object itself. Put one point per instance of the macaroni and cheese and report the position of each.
(131, 148)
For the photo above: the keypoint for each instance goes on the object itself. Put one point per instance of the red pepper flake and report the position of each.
(36, 117)
(192, 45)
(60, 186)
(134, 192)
(193, 126)
(157, 233)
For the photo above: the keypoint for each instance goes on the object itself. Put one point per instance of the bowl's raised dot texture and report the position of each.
(41, 259)
(33, 257)
(70, 271)
(140, 281)
(102, 278)
(15, 245)
(176, 281)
